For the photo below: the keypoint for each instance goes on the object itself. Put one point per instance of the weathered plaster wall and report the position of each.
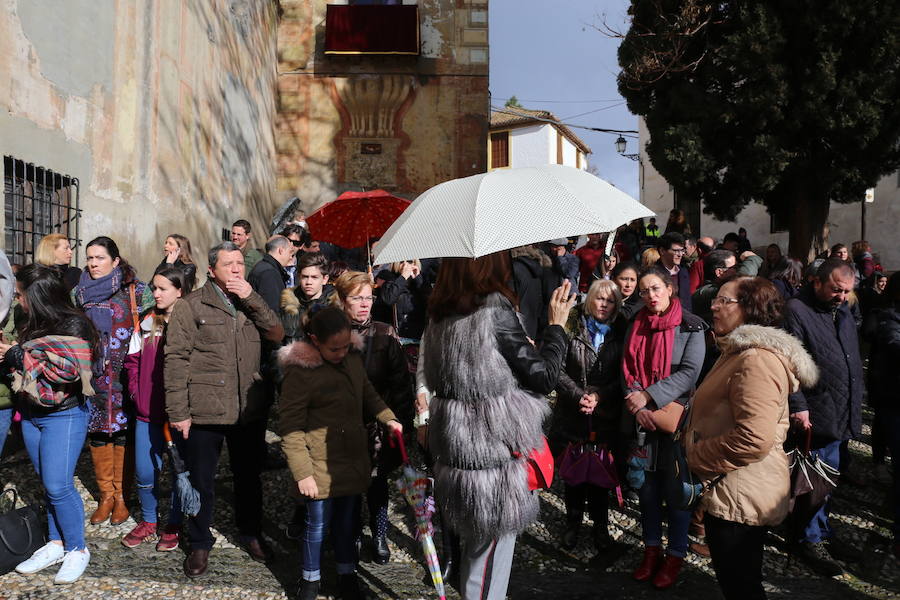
(163, 109)
(428, 114)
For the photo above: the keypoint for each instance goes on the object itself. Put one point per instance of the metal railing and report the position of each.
(38, 201)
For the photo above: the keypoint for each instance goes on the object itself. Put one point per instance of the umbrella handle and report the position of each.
(808, 440)
(166, 433)
(396, 440)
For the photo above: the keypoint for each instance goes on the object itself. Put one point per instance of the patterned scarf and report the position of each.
(50, 361)
(93, 297)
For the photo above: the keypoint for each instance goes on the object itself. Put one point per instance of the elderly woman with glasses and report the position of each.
(664, 351)
(738, 423)
(387, 369)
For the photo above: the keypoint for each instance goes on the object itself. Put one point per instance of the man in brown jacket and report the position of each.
(214, 393)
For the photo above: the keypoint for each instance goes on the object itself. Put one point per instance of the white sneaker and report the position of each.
(73, 565)
(43, 557)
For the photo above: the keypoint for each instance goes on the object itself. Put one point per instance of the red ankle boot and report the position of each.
(649, 565)
(668, 572)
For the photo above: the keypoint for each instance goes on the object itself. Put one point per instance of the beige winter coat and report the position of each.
(739, 420)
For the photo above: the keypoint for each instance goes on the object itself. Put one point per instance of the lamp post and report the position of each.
(620, 148)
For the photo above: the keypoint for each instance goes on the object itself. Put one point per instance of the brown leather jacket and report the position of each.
(212, 358)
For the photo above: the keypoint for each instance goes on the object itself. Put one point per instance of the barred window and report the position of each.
(37, 201)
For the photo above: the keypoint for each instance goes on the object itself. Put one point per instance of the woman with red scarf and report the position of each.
(664, 351)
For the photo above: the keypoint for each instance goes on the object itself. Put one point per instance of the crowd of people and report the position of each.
(656, 348)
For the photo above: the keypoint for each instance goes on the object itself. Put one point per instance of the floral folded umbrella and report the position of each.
(413, 485)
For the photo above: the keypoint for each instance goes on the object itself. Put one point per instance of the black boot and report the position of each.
(451, 552)
(348, 587)
(379, 525)
(309, 590)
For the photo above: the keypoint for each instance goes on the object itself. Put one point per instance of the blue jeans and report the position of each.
(6, 415)
(818, 528)
(149, 448)
(652, 494)
(54, 441)
(341, 515)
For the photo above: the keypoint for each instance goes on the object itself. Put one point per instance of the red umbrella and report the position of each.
(355, 217)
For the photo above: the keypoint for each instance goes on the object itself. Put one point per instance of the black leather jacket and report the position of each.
(536, 369)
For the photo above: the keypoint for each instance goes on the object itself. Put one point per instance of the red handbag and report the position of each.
(540, 467)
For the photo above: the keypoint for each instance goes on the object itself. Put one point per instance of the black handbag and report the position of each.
(21, 533)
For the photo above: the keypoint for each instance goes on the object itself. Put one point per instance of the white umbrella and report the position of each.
(482, 214)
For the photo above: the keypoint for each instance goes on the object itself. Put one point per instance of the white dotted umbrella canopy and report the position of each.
(482, 214)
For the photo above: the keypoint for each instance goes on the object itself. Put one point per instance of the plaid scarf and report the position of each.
(52, 361)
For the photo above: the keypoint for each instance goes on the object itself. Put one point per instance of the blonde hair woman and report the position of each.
(54, 250)
(589, 401)
(177, 249)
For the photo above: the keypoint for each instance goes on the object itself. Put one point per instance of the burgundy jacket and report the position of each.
(144, 365)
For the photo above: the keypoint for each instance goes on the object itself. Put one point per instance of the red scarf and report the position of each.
(648, 352)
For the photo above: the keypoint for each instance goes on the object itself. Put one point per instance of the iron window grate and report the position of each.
(38, 202)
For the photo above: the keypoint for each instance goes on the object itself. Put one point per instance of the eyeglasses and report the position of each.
(655, 290)
(677, 250)
(358, 299)
(297, 243)
(723, 300)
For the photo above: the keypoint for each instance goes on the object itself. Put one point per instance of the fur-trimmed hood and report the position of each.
(775, 340)
(533, 253)
(306, 355)
(292, 303)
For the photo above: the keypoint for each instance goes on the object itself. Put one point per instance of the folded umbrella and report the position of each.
(482, 214)
(188, 497)
(414, 486)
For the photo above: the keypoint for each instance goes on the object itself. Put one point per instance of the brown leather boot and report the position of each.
(103, 471)
(120, 512)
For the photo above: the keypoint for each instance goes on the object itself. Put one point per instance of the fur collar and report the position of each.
(306, 355)
(775, 340)
(289, 302)
(533, 253)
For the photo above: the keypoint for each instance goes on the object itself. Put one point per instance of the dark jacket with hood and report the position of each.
(829, 335)
(294, 305)
(533, 284)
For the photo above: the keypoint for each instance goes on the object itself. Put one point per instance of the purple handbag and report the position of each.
(590, 462)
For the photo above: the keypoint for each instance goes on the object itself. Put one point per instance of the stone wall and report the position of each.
(402, 123)
(164, 110)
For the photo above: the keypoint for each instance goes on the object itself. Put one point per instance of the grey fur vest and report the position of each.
(480, 417)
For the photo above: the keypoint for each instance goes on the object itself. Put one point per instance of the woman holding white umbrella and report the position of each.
(488, 407)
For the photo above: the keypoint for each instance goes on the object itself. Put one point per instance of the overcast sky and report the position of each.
(548, 54)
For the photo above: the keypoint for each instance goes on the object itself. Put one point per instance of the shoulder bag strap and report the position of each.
(134, 309)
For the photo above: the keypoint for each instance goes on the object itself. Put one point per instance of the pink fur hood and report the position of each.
(303, 354)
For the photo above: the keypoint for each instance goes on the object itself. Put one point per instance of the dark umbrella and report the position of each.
(812, 481)
(284, 213)
(188, 497)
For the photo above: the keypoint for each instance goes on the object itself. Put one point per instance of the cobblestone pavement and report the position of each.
(541, 568)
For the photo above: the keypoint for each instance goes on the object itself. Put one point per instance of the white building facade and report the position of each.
(529, 138)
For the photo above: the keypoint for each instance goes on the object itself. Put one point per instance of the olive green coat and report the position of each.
(321, 411)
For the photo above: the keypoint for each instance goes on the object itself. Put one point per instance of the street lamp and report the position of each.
(620, 148)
